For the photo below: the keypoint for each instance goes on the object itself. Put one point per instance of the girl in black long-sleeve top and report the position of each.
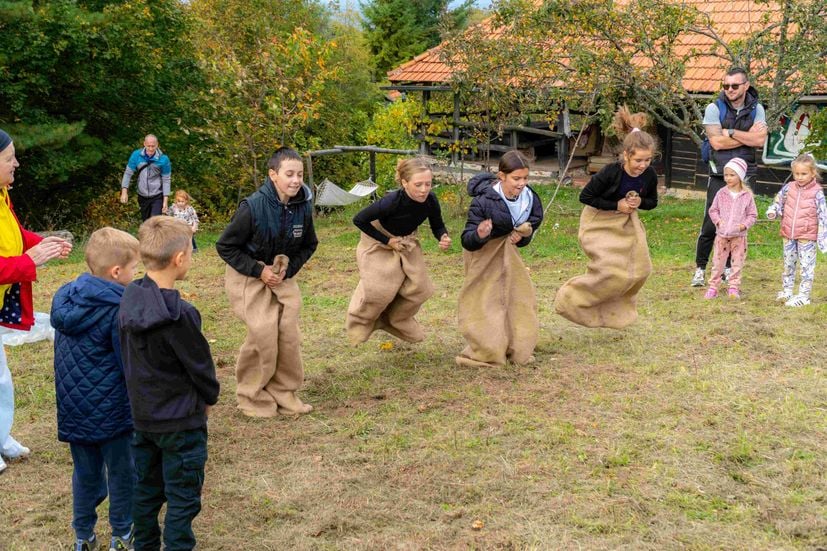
(394, 280)
(612, 235)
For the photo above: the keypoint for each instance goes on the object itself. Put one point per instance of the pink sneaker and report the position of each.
(711, 293)
(734, 293)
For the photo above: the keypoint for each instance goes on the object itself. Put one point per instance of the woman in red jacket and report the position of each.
(21, 252)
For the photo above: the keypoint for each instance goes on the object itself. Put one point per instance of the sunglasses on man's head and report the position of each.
(734, 86)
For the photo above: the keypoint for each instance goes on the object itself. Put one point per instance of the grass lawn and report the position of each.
(702, 426)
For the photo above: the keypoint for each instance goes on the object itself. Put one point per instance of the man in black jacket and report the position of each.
(171, 382)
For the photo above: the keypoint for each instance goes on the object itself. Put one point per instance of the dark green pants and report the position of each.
(170, 468)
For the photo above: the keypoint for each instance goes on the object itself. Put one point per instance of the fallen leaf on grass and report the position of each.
(387, 345)
(477, 525)
(422, 408)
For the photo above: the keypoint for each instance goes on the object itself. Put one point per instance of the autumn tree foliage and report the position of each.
(556, 52)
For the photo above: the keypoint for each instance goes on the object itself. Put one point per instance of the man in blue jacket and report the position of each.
(154, 178)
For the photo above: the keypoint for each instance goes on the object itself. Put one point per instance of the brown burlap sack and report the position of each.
(270, 358)
(606, 295)
(497, 307)
(392, 287)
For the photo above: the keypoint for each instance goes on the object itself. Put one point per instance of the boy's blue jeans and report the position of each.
(170, 468)
(102, 469)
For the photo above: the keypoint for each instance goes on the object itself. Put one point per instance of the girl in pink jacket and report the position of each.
(803, 212)
(733, 212)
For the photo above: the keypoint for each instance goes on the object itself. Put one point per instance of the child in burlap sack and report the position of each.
(393, 278)
(497, 304)
(612, 235)
(267, 242)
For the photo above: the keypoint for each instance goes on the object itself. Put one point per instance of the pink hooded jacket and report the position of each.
(729, 213)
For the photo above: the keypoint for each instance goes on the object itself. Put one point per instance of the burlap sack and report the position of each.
(497, 307)
(619, 263)
(392, 287)
(270, 358)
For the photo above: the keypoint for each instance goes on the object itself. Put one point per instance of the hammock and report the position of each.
(329, 194)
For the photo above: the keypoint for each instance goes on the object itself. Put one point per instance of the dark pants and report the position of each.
(194, 244)
(102, 469)
(707, 236)
(150, 206)
(170, 469)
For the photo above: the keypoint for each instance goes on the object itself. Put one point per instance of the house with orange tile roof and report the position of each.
(681, 165)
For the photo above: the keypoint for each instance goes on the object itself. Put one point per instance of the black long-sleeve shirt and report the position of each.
(400, 215)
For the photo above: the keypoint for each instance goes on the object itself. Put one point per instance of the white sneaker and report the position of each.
(2, 465)
(798, 300)
(698, 278)
(13, 449)
(784, 296)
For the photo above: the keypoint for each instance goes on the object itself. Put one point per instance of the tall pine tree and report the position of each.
(398, 30)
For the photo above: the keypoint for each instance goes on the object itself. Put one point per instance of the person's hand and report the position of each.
(207, 410)
(624, 207)
(194, 229)
(758, 126)
(124, 197)
(633, 202)
(484, 228)
(514, 237)
(49, 248)
(444, 242)
(271, 278)
(742, 227)
(395, 243)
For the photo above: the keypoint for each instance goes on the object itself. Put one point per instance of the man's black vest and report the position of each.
(743, 120)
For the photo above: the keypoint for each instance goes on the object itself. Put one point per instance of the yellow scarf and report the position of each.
(11, 240)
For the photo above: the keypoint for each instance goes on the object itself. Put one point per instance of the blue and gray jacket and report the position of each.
(154, 173)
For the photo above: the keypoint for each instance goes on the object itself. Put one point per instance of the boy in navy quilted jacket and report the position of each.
(93, 412)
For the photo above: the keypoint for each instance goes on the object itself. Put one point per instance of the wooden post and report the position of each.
(667, 159)
(513, 140)
(562, 143)
(424, 148)
(310, 174)
(372, 156)
(455, 151)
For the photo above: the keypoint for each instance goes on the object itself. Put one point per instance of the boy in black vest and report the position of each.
(733, 132)
(170, 378)
(267, 242)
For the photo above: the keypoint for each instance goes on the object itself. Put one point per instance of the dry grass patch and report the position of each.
(703, 426)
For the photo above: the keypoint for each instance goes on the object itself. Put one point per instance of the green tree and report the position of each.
(80, 84)
(295, 77)
(398, 30)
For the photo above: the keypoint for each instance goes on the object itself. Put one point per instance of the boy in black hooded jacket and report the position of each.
(171, 382)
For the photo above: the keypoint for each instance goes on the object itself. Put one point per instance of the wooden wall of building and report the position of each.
(685, 170)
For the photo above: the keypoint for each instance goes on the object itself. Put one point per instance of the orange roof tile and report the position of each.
(703, 74)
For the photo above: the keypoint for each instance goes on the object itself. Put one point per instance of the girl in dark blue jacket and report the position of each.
(497, 307)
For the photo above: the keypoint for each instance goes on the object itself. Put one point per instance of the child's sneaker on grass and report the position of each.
(3, 465)
(798, 300)
(122, 543)
(86, 545)
(734, 293)
(784, 296)
(711, 293)
(698, 278)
